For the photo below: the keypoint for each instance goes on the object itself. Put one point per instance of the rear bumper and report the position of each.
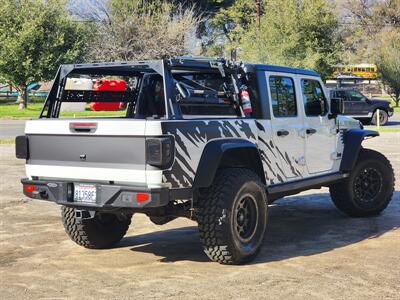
(108, 196)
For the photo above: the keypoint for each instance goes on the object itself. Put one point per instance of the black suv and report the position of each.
(358, 106)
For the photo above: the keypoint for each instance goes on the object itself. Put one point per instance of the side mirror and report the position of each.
(315, 108)
(337, 106)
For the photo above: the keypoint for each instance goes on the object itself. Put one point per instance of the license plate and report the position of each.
(85, 193)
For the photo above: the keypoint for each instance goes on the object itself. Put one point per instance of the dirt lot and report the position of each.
(311, 251)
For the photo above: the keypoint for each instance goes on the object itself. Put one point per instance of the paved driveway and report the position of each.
(394, 120)
(11, 128)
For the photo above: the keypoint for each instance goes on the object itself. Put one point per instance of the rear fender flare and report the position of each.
(229, 153)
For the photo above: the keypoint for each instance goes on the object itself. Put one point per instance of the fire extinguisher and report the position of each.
(245, 101)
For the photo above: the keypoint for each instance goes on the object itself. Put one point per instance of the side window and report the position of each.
(205, 95)
(283, 96)
(356, 96)
(315, 103)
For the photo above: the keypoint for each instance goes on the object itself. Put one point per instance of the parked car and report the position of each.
(207, 139)
(360, 107)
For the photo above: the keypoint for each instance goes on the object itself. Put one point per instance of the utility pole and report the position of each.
(258, 12)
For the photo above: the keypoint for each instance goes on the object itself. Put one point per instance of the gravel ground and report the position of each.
(311, 251)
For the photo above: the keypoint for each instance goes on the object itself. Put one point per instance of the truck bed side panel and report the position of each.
(191, 136)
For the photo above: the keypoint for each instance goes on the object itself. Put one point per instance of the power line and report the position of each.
(370, 25)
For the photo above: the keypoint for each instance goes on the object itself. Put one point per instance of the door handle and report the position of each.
(82, 127)
(311, 130)
(282, 132)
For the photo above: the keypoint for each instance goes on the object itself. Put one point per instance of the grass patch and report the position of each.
(392, 103)
(10, 111)
(7, 141)
(389, 130)
(383, 129)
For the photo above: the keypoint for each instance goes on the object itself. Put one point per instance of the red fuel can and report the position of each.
(108, 85)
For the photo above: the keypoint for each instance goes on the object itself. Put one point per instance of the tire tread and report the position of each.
(339, 191)
(211, 235)
(85, 233)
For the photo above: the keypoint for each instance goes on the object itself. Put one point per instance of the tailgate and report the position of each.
(87, 150)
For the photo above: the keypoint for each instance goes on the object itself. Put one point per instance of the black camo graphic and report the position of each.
(192, 136)
(271, 156)
(190, 140)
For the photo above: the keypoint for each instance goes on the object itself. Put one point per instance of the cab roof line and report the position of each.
(284, 69)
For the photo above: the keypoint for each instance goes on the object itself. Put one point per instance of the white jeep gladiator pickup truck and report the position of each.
(207, 139)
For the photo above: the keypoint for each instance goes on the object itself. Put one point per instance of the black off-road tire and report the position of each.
(383, 116)
(369, 188)
(233, 216)
(100, 232)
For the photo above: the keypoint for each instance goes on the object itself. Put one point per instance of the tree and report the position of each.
(134, 29)
(375, 37)
(364, 23)
(388, 62)
(231, 24)
(294, 33)
(36, 37)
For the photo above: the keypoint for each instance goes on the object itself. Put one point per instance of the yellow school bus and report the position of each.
(368, 71)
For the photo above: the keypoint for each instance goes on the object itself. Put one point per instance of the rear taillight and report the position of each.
(160, 151)
(22, 147)
(142, 197)
(29, 188)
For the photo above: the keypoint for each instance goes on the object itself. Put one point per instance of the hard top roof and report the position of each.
(284, 69)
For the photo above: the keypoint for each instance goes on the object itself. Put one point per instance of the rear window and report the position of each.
(200, 94)
(96, 96)
(140, 95)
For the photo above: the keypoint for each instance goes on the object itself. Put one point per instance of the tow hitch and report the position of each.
(84, 214)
